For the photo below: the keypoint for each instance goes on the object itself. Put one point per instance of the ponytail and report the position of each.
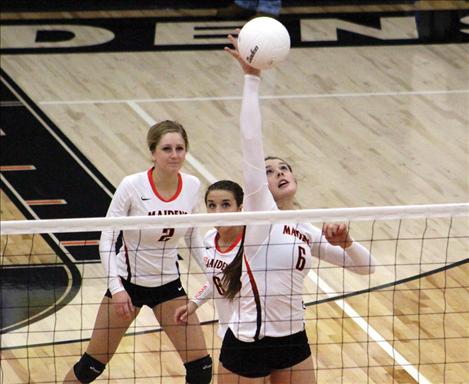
(231, 280)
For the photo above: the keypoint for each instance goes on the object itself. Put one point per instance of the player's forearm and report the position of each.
(359, 259)
(255, 180)
(196, 247)
(108, 260)
(203, 294)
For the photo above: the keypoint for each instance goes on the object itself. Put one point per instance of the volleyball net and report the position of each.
(406, 322)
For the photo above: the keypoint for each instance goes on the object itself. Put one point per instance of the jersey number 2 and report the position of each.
(167, 234)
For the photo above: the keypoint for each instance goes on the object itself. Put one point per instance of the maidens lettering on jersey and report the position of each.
(287, 230)
(167, 233)
(216, 264)
(167, 212)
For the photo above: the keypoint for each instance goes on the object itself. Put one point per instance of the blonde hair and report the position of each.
(157, 131)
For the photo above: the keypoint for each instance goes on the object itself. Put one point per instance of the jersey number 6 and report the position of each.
(300, 264)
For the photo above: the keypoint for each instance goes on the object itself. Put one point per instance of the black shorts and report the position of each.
(152, 296)
(259, 358)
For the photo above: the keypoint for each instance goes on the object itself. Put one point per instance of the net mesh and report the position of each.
(406, 322)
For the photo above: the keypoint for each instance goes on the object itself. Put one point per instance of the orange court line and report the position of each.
(46, 202)
(79, 243)
(5, 168)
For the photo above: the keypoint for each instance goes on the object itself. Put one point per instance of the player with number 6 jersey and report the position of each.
(268, 314)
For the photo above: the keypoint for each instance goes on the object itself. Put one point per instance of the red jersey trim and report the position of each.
(155, 191)
(129, 270)
(234, 244)
(257, 299)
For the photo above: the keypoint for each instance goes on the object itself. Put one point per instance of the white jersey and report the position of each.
(215, 262)
(148, 257)
(276, 257)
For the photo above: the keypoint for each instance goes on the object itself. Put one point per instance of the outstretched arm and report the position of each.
(257, 195)
(335, 245)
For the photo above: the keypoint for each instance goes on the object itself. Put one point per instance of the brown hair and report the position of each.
(157, 131)
(227, 185)
(231, 280)
(279, 158)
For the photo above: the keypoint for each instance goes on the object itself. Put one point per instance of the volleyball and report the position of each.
(263, 42)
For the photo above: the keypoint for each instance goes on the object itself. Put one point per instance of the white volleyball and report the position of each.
(263, 42)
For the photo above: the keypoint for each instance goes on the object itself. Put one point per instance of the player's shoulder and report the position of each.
(135, 178)
(190, 180)
(209, 238)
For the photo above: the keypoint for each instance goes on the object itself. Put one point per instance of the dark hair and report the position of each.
(156, 132)
(279, 158)
(227, 185)
(231, 280)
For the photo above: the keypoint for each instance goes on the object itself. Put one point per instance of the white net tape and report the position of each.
(239, 218)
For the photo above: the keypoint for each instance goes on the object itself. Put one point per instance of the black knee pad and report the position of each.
(88, 369)
(199, 371)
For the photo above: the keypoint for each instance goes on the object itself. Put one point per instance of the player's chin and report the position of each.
(174, 166)
(287, 190)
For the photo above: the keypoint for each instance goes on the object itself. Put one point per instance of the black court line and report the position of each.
(56, 285)
(339, 297)
(33, 292)
(61, 170)
(87, 5)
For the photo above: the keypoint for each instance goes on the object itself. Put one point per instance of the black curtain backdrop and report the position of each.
(83, 5)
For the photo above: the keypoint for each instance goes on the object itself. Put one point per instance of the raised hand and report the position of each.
(337, 234)
(247, 69)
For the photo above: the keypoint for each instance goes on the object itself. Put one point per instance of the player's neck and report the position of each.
(285, 204)
(165, 183)
(228, 235)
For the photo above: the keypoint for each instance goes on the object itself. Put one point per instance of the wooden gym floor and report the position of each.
(369, 124)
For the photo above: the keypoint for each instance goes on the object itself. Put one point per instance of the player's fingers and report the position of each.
(130, 309)
(182, 318)
(178, 314)
(233, 41)
(127, 311)
(232, 52)
(338, 229)
(120, 309)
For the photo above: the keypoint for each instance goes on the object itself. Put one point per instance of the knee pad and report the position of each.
(199, 371)
(88, 369)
